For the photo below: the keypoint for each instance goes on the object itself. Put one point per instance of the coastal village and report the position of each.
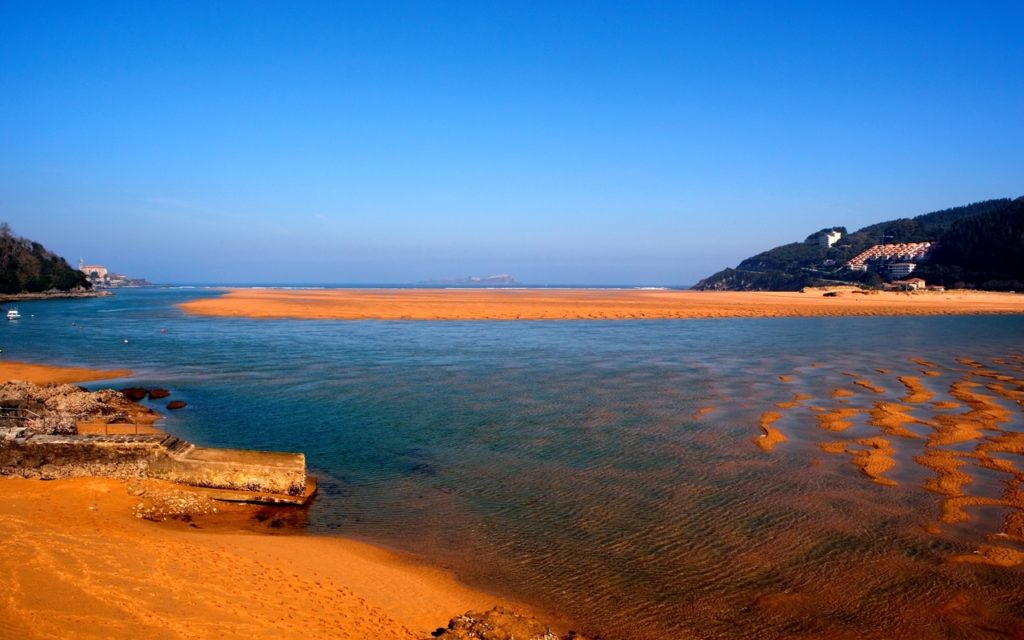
(103, 278)
(894, 262)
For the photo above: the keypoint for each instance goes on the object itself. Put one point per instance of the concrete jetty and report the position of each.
(247, 476)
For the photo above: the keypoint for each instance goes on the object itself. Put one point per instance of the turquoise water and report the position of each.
(567, 463)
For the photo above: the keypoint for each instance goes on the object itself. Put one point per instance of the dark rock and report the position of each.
(499, 624)
(134, 393)
(156, 394)
(48, 472)
(176, 404)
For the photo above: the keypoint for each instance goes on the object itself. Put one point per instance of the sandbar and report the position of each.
(586, 304)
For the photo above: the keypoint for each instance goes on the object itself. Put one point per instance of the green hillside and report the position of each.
(981, 245)
(27, 267)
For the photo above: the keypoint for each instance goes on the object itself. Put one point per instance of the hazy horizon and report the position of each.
(596, 143)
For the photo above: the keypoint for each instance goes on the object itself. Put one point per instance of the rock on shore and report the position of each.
(501, 624)
(55, 408)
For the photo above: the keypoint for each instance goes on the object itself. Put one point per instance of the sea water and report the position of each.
(606, 471)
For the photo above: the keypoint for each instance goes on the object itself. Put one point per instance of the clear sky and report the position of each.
(561, 142)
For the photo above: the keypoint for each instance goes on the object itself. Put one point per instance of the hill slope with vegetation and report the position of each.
(27, 267)
(980, 246)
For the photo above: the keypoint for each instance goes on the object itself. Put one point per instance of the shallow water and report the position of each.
(576, 465)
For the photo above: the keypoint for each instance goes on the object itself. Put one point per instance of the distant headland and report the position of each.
(976, 246)
(29, 271)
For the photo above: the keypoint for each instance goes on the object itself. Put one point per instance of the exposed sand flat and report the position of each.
(890, 418)
(837, 419)
(77, 564)
(954, 472)
(798, 399)
(949, 479)
(874, 459)
(43, 374)
(874, 388)
(993, 555)
(770, 436)
(586, 304)
(916, 393)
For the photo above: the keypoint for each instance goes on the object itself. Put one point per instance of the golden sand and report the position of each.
(949, 479)
(583, 304)
(837, 419)
(916, 393)
(77, 564)
(869, 386)
(993, 555)
(890, 418)
(770, 436)
(798, 399)
(945, 424)
(874, 459)
(44, 374)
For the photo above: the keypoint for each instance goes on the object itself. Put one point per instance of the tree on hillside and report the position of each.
(27, 267)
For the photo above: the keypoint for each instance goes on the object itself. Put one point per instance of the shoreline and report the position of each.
(81, 559)
(589, 304)
(53, 295)
(11, 370)
(78, 564)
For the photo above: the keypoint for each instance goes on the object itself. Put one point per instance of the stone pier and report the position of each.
(243, 475)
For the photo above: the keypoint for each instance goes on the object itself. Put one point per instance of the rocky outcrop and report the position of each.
(501, 624)
(134, 393)
(39, 439)
(174, 405)
(156, 394)
(55, 408)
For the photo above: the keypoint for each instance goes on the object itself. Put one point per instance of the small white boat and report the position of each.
(12, 314)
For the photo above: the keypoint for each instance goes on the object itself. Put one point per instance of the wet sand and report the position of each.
(77, 563)
(44, 374)
(587, 304)
(770, 435)
(953, 437)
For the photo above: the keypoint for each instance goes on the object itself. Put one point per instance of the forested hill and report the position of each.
(981, 246)
(27, 267)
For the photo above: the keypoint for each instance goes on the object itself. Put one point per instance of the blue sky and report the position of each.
(590, 142)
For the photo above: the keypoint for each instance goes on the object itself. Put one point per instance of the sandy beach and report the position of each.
(44, 374)
(79, 560)
(588, 304)
(78, 564)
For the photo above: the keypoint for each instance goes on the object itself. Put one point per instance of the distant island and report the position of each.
(499, 280)
(977, 246)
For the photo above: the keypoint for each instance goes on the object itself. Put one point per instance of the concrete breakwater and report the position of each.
(61, 430)
(252, 475)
